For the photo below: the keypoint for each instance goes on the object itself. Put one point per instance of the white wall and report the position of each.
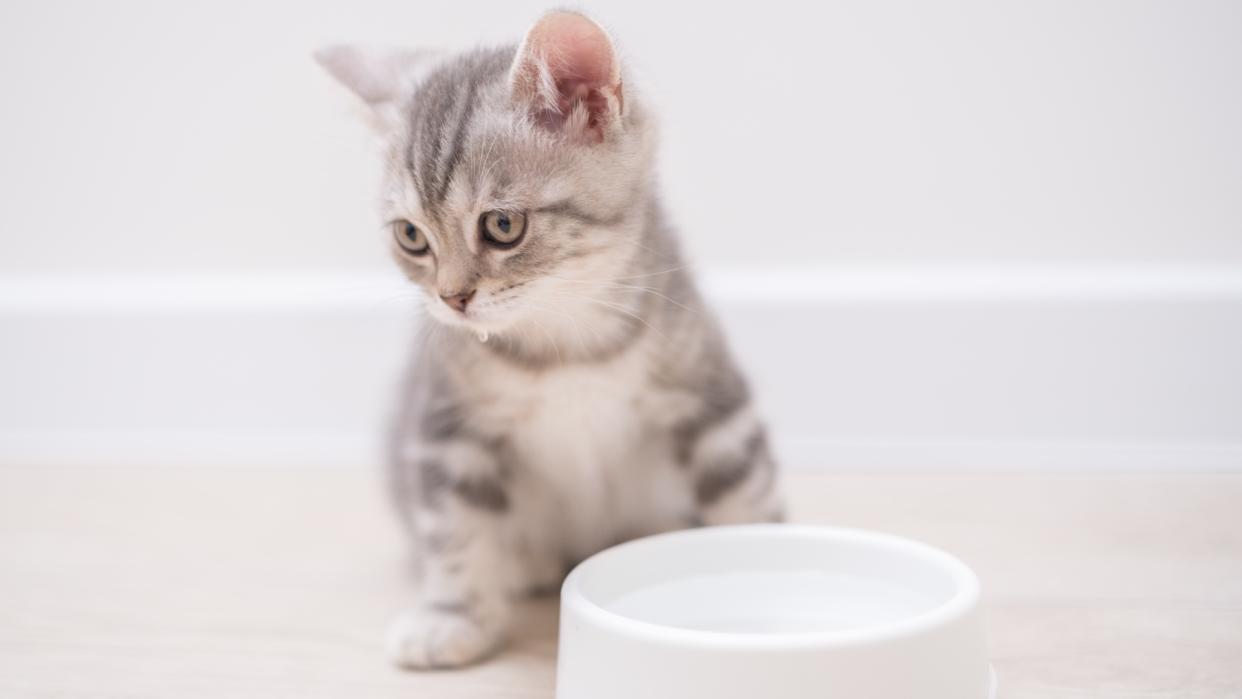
(1003, 372)
(140, 136)
(942, 235)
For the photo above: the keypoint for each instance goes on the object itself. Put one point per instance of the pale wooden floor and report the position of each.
(265, 583)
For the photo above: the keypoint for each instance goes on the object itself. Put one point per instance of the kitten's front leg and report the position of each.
(463, 609)
(733, 474)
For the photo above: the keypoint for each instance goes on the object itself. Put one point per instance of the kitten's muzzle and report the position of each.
(459, 300)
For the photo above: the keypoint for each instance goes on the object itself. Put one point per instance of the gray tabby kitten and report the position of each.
(577, 392)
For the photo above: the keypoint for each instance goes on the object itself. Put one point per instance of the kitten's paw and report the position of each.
(426, 639)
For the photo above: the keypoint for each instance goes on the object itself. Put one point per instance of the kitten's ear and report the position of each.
(380, 77)
(567, 75)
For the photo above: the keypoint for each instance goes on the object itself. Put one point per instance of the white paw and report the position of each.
(425, 639)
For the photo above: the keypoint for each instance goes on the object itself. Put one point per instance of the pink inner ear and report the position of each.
(575, 48)
(581, 64)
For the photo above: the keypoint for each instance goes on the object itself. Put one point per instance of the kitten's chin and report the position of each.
(472, 322)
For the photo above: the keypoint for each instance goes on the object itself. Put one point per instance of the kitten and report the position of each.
(575, 391)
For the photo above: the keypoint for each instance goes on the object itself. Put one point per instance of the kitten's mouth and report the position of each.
(477, 318)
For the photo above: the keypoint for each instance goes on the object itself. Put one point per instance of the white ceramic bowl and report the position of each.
(772, 612)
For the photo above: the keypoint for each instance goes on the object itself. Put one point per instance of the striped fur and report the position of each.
(604, 403)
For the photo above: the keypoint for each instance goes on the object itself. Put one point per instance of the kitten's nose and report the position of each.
(458, 301)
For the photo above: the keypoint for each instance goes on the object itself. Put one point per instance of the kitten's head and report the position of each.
(516, 178)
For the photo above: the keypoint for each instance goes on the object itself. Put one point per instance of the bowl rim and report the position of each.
(964, 601)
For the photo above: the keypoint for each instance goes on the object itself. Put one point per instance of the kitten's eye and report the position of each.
(502, 229)
(410, 237)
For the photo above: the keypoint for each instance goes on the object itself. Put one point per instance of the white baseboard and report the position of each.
(891, 369)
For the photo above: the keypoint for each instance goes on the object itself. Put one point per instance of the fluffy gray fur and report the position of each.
(603, 403)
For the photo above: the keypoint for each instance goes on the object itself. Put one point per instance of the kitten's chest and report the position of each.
(592, 443)
(593, 455)
(581, 417)
(591, 433)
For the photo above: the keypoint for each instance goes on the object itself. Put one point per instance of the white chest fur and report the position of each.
(596, 465)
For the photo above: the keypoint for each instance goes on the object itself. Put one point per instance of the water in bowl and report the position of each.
(774, 602)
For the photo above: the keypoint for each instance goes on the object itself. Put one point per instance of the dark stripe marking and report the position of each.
(459, 138)
(484, 493)
(720, 477)
(568, 209)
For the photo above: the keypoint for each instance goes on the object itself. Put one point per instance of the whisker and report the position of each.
(632, 287)
(619, 308)
(574, 322)
(556, 347)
